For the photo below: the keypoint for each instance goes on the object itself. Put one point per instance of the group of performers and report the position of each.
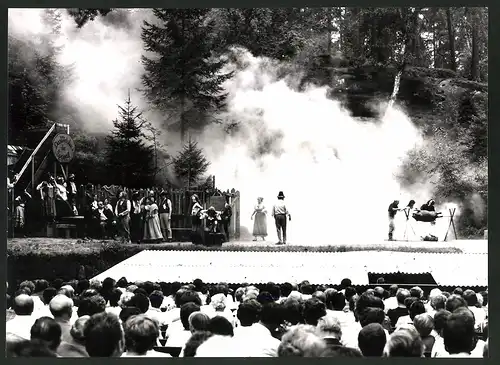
(426, 213)
(280, 213)
(216, 230)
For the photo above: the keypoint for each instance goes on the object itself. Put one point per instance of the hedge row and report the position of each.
(76, 259)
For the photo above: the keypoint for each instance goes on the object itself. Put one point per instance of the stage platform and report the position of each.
(467, 268)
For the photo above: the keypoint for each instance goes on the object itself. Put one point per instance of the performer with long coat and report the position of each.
(259, 217)
(72, 192)
(136, 221)
(165, 212)
(152, 230)
(122, 212)
(392, 210)
(226, 215)
(196, 222)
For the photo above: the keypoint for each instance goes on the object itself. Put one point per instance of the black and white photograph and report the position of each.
(247, 182)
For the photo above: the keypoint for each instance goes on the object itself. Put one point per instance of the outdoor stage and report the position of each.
(445, 261)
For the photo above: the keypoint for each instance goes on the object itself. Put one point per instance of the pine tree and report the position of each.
(182, 77)
(130, 160)
(190, 164)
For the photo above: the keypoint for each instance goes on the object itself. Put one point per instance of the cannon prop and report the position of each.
(426, 216)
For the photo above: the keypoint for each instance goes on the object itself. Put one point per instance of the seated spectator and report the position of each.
(292, 312)
(404, 342)
(401, 310)
(314, 309)
(61, 308)
(330, 330)
(248, 313)
(47, 331)
(140, 301)
(437, 303)
(440, 319)
(194, 343)
(416, 308)
(424, 324)
(218, 303)
(141, 335)
(341, 351)
(217, 346)
(371, 315)
(319, 295)
(198, 322)
(177, 336)
(372, 340)
(128, 312)
(21, 324)
(417, 292)
(391, 302)
(114, 297)
(154, 312)
(379, 292)
(88, 306)
(470, 298)
(459, 336)
(454, 302)
(265, 298)
(219, 325)
(28, 348)
(458, 291)
(301, 341)
(75, 347)
(104, 335)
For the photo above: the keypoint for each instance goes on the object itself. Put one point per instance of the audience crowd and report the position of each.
(122, 319)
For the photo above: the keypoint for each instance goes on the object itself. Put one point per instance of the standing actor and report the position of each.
(280, 213)
(226, 215)
(165, 211)
(122, 212)
(71, 190)
(393, 209)
(196, 222)
(136, 219)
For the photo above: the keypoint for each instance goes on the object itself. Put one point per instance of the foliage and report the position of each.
(89, 161)
(129, 159)
(181, 76)
(82, 16)
(190, 164)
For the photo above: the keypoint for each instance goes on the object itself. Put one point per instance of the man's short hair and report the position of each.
(128, 312)
(77, 330)
(372, 340)
(91, 305)
(371, 315)
(198, 321)
(338, 301)
(345, 283)
(424, 324)
(219, 325)
(114, 297)
(438, 302)
(440, 319)
(329, 325)
(368, 301)
(272, 314)
(458, 333)
(319, 295)
(186, 311)
(48, 294)
(122, 283)
(470, 298)
(404, 343)
(48, 331)
(61, 305)
(292, 311)
(28, 284)
(103, 335)
(401, 295)
(187, 296)
(314, 309)
(350, 292)
(458, 291)
(23, 305)
(140, 301)
(249, 312)
(141, 334)
(301, 341)
(416, 292)
(454, 302)
(393, 289)
(286, 289)
(416, 308)
(41, 285)
(156, 298)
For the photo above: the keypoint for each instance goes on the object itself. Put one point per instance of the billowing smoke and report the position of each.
(338, 173)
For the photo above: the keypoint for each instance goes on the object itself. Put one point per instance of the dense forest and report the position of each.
(441, 52)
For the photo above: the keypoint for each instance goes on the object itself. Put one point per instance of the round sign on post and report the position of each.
(63, 148)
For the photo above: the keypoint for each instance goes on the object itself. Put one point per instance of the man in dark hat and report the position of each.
(393, 209)
(71, 191)
(280, 213)
(165, 212)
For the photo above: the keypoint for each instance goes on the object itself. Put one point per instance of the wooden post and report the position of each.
(32, 175)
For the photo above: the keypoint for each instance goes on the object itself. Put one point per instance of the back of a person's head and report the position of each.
(156, 298)
(417, 307)
(114, 297)
(368, 301)
(48, 331)
(219, 325)
(458, 291)
(274, 290)
(372, 340)
(140, 301)
(470, 297)
(301, 341)
(393, 289)
(23, 305)
(314, 309)
(77, 329)
(82, 285)
(409, 301)
(128, 312)
(198, 321)
(57, 283)
(218, 302)
(341, 351)
(61, 306)
(484, 294)
(329, 327)
(345, 283)
(141, 334)
(320, 295)
(338, 301)
(89, 306)
(248, 312)
(286, 289)
(424, 324)
(48, 294)
(292, 311)
(103, 335)
(440, 319)
(25, 348)
(371, 315)
(379, 292)
(350, 292)
(403, 343)
(272, 315)
(122, 283)
(186, 311)
(401, 295)
(216, 346)
(195, 342)
(187, 296)
(438, 302)
(41, 285)
(28, 284)
(458, 333)
(454, 302)
(265, 297)
(416, 292)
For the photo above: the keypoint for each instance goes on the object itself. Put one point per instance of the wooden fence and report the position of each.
(181, 203)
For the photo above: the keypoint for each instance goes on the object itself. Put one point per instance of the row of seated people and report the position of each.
(109, 319)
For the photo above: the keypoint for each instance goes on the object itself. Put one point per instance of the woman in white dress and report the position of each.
(152, 229)
(260, 221)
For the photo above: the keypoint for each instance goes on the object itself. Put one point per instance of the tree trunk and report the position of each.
(474, 72)
(183, 98)
(356, 49)
(451, 36)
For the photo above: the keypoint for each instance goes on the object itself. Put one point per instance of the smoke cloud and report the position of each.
(337, 172)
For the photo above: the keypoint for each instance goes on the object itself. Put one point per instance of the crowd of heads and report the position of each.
(119, 318)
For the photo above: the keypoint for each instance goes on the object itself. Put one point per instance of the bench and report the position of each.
(68, 228)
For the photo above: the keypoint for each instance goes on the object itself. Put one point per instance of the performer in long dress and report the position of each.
(165, 211)
(393, 209)
(63, 208)
(136, 219)
(280, 213)
(196, 229)
(122, 212)
(260, 221)
(152, 230)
